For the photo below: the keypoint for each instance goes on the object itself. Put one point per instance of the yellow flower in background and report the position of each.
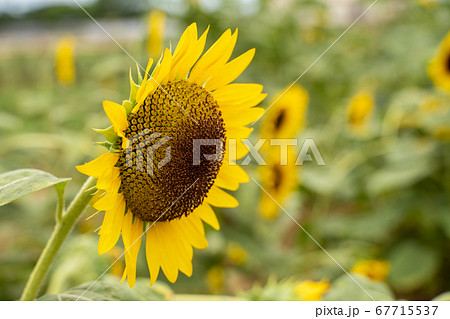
(428, 3)
(439, 67)
(309, 290)
(442, 133)
(117, 267)
(359, 110)
(279, 181)
(236, 253)
(188, 97)
(64, 61)
(156, 26)
(376, 270)
(286, 117)
(215, 279)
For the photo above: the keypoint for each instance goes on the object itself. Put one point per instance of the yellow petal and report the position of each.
(144, 81)
(186, 51)
(230, 71)
(190, 232)
(162, 70)
(218, 198)
(131, 235)
(236, 92)
(207, 214)
(105, 181)
(117, 116)
(244, 103)
(168, 260)
(107, 200)
(235, 149)
(218, 53)
(177, 249)
(152, 252)
(192, 56)
(186, 39)
(238, 132)
(241, 116)
(112, 224)
(99, 166)
(183, 250)
(230, 177)
(148, 88)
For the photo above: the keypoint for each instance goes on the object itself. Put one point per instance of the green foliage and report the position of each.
(109, 290)
(344, 288)
(413, 265)
(273, 290)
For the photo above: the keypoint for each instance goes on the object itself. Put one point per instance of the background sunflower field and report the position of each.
(379, 115)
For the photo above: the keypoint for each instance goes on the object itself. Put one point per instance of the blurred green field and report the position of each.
(383, 195)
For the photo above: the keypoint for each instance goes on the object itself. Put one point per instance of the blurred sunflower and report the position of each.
(279, 181)
(156, 26)
(439, 67)
(215, 279)
(309, 290)
(187, 98)
(286, 117)
(376, 270)
(359, 111)
(64, 61)
(236, 253)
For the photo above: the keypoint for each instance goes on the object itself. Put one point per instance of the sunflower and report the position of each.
(359, 111)
(187, 98)
(309, 290)
(439, 67)
(286, 117)
(156, 24)
(64, 61)
(279, 181)
(377, 270)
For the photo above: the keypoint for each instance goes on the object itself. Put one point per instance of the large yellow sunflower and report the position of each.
(439, 67)
(187, 98)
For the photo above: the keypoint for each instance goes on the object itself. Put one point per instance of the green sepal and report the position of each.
(128, 105)
(139, 74)
(133, 88)
(109, 134)
(107, 145)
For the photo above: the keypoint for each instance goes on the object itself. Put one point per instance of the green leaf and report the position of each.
(344, 288)
(406, 163)
(21, 182)
(413, 265)
(110, 289)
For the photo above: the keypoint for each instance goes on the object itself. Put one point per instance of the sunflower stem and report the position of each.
(60, 232)
(59, 208)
